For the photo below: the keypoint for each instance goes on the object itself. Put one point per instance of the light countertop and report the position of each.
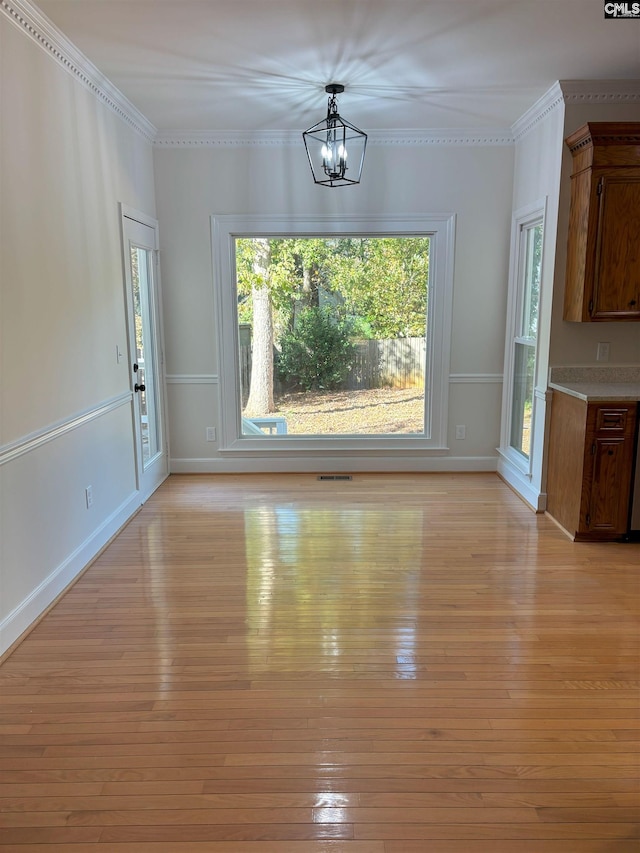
(598, 384)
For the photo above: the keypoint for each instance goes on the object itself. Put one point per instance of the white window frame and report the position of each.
(523, 219)
(225, 229)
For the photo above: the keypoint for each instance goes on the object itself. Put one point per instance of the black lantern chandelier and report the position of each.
(330, 141)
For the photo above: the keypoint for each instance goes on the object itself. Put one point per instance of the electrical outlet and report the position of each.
(88, 495)
(461, 431)
(602, 353)
(211, 433)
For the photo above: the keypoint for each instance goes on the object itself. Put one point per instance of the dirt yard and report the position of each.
(375, 411)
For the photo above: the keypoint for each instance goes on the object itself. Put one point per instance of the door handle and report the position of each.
(137, 387)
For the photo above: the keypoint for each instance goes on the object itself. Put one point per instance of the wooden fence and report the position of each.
(396, 362)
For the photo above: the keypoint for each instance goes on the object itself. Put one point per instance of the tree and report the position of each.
(381, 283)
(277, 274)
(260, 400)
(385, 281)
(317, 353)
(312, 255)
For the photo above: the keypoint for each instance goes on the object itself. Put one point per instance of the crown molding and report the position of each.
(444, 136)
(552, 99)
(225, 138)
(280, 138)
(576, 92)
(600, 91)
(31, 21)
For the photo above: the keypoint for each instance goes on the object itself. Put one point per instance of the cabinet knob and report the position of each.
(632, 303)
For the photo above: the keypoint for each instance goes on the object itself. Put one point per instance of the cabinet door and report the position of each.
(616, 291)
(608, 503)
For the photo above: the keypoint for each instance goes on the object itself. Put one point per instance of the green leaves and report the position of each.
(385, 281)
(317, 353)
(380, 282)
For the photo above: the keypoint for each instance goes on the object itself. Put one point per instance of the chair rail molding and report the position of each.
(472, 378)
(192, 379)
(26, 444)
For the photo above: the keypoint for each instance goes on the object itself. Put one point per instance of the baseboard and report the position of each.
(14, 625)
(521, 485)
(560, 527)
(338, 464)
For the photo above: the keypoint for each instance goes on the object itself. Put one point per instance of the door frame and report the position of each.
(146, 482)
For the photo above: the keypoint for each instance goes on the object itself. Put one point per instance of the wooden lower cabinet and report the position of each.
(590, 462)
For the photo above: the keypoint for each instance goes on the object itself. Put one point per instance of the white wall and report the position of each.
(67, 159)
(472, 181)
(536, 180)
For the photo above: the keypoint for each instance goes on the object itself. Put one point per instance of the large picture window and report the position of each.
(333, 333)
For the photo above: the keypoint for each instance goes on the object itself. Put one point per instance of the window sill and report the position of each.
(516, 461)
(335, 445)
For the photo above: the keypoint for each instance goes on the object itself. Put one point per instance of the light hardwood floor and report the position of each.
(272, 664)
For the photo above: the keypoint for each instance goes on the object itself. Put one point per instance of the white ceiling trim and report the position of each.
(266, 138)
(576, 92)
(551, 100)
(601, 91)
(46, 35)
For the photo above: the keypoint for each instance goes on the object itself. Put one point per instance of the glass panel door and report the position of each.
(144, 366)
(145, 352)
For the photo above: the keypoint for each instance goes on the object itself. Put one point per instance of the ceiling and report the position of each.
(256, 65)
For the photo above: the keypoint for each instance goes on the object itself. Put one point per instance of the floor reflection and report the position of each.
(315, 578)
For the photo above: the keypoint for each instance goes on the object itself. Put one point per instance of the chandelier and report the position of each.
(335, 147)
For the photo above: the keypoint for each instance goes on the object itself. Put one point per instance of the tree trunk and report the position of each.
(260, 402)
(310, 292)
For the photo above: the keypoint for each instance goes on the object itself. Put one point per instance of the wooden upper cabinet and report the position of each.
(603, 250)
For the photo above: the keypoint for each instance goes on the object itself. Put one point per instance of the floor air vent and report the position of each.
(335, 477)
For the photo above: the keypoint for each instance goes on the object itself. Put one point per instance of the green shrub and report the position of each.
(317, 354)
